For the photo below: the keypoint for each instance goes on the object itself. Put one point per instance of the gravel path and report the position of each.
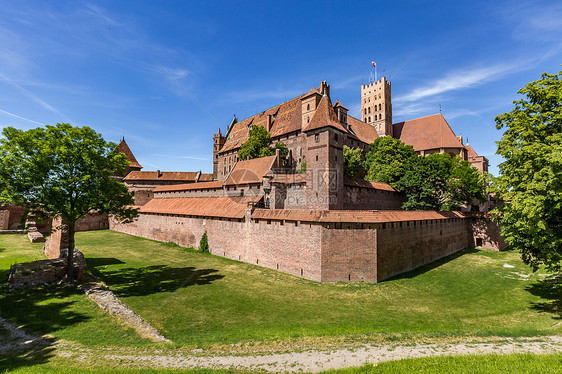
(315, 361)
(110, 303)
(18, 338)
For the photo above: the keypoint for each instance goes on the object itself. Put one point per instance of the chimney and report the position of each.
(268, 124)
(324, 88)
(158, 174)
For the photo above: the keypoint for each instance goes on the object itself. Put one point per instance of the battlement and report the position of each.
(375, 84)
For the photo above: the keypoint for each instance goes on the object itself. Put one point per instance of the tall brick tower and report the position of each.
(376, 106)
(218, 142)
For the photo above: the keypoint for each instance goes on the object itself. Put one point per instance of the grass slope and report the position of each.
(201, 300)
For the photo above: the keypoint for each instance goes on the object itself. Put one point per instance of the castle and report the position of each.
(299, 214)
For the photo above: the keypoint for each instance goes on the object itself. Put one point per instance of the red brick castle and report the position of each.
(300, 214)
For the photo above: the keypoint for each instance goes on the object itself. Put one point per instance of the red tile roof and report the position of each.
(363, 131)
(190, 186)
(431, 132)
(250, 171)
(471, 152)
(356, 182)
(227, 207)
(166, 176)
(287, 119)
(123, 147)
(352, 216)
(337, 104)
(324, 116)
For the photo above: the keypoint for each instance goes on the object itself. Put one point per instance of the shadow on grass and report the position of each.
(549, 289)
(2, 249)
(425, 268)
(153, 279)
(94, 262)
(10, 361)
(39, 312)
(42, 310)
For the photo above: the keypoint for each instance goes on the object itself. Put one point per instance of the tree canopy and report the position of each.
(439, 182)
(63, 171)
(259, 145)
(387, 160)
(352, 161)
(530, 178)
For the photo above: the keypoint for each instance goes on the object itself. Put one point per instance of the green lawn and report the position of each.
(470, 364)
(62, 313)
(201, 300)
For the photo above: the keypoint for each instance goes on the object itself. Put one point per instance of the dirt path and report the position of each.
(313, 361)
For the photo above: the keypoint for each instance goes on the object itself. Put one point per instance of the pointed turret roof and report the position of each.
(123, 147)
(325, 116)
(337, 104)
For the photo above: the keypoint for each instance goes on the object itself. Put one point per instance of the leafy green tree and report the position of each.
(387, 160)
(352, 161)
(530, 178)
(204, 243)
(439, 182)
(259, 145)
(63, 171)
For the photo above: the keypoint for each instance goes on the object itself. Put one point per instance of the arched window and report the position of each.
(307, 106)
(380, 116)
(365, 110)
(379, 107)
(369, 110)
(307, 119)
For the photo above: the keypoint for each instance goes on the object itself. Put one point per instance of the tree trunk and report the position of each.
(70, 255)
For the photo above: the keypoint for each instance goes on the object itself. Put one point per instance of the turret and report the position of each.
(376, 106)
(218, 142)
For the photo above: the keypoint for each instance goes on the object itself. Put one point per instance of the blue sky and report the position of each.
(167, 74)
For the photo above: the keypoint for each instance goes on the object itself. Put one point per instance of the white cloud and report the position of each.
(20, 117)
(31, 96)
(458, 80)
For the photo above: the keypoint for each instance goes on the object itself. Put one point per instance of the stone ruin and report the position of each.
(45, 272)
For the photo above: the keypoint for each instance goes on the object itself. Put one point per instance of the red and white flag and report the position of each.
(374, 64)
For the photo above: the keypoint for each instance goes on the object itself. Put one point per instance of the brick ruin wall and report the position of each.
(319, 251)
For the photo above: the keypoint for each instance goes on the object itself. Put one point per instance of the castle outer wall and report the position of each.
(317, 250)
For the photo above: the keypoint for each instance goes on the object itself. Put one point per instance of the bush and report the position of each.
(204, 244)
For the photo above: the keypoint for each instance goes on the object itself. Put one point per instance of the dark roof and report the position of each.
(123, 147)
(431, 132)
